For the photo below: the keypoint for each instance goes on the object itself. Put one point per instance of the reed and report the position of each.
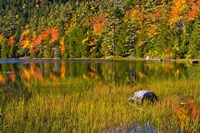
(77, 105)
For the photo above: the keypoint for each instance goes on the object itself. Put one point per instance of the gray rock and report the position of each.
(1, 116)
(195, 62)
(143, 95)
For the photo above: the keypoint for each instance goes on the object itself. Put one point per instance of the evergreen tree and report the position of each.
(56, 52)
(85, 48)
(4, 48)
(72, 49)
(182, 49)
(124, 31)
(123, 42)
(41, 50)
(194, 44)
(65, 53)
(74, 40)
(164, 42)
(11, 52)
(48, 48)
(113, 28)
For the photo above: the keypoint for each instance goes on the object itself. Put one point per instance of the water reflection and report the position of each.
(135, 127)
(16, 76)
(118, 72)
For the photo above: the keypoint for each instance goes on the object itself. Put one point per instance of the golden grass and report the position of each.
(77, 105)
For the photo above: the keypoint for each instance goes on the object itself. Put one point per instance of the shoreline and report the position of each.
(111, 58)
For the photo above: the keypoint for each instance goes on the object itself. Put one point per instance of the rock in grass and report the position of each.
(1, 115)
(143, 95)
(195, 62)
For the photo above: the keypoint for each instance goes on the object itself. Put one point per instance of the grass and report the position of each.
(77, 105)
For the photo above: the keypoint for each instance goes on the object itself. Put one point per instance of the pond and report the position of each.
(91, 95)
(109, 71)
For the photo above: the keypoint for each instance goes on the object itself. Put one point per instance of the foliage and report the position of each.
(94, 29)
(4, 48)
(194, 45)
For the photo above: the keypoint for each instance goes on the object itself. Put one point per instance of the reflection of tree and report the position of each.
(13, 86)
(16, 79)
(162, 71)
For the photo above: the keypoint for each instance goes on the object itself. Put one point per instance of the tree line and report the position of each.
(99, 28)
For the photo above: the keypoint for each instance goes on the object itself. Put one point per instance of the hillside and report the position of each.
(99, 28)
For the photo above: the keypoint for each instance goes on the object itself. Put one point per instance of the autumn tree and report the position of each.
(95, 27)
(177, 10)
(194, 9)
(82, 29)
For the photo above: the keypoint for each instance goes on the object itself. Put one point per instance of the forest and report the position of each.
(99, 28)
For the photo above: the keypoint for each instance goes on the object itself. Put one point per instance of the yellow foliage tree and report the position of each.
(175, 14)
(1, 37)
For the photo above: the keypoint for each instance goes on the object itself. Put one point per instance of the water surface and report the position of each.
(21, 72)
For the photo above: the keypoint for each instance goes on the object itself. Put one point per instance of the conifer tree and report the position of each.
(4, 48)
(113, 28)
(184, 41)
(122, 28)
(47, 50)
(56, 52)
(65, 53)
(194, 44)
(41, 50)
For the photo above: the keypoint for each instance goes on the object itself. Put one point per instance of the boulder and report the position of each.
(195, 62)
(143, 95)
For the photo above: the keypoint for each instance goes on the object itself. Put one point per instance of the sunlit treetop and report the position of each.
(11, 40)
(194, 9)
(134, 15)
(50, 35)
(25, 42)
(1, 37)
(177, 9)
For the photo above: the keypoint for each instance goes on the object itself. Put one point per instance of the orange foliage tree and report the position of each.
(53, 33)
(135, 15)
(1, 38)
(51, 36)
(11, 40)
(177, 9)
(97, 22)
(193, 13)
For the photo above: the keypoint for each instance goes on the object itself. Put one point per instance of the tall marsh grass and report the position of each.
(77, 105)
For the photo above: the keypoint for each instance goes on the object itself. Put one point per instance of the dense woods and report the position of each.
(99, 28)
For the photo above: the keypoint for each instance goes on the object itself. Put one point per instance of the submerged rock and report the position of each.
(143, 95)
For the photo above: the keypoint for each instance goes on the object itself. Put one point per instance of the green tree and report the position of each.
(111, 42)
(4, 48)
(74, 41)
(48, 48)
(56, 52)
(194, 44)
